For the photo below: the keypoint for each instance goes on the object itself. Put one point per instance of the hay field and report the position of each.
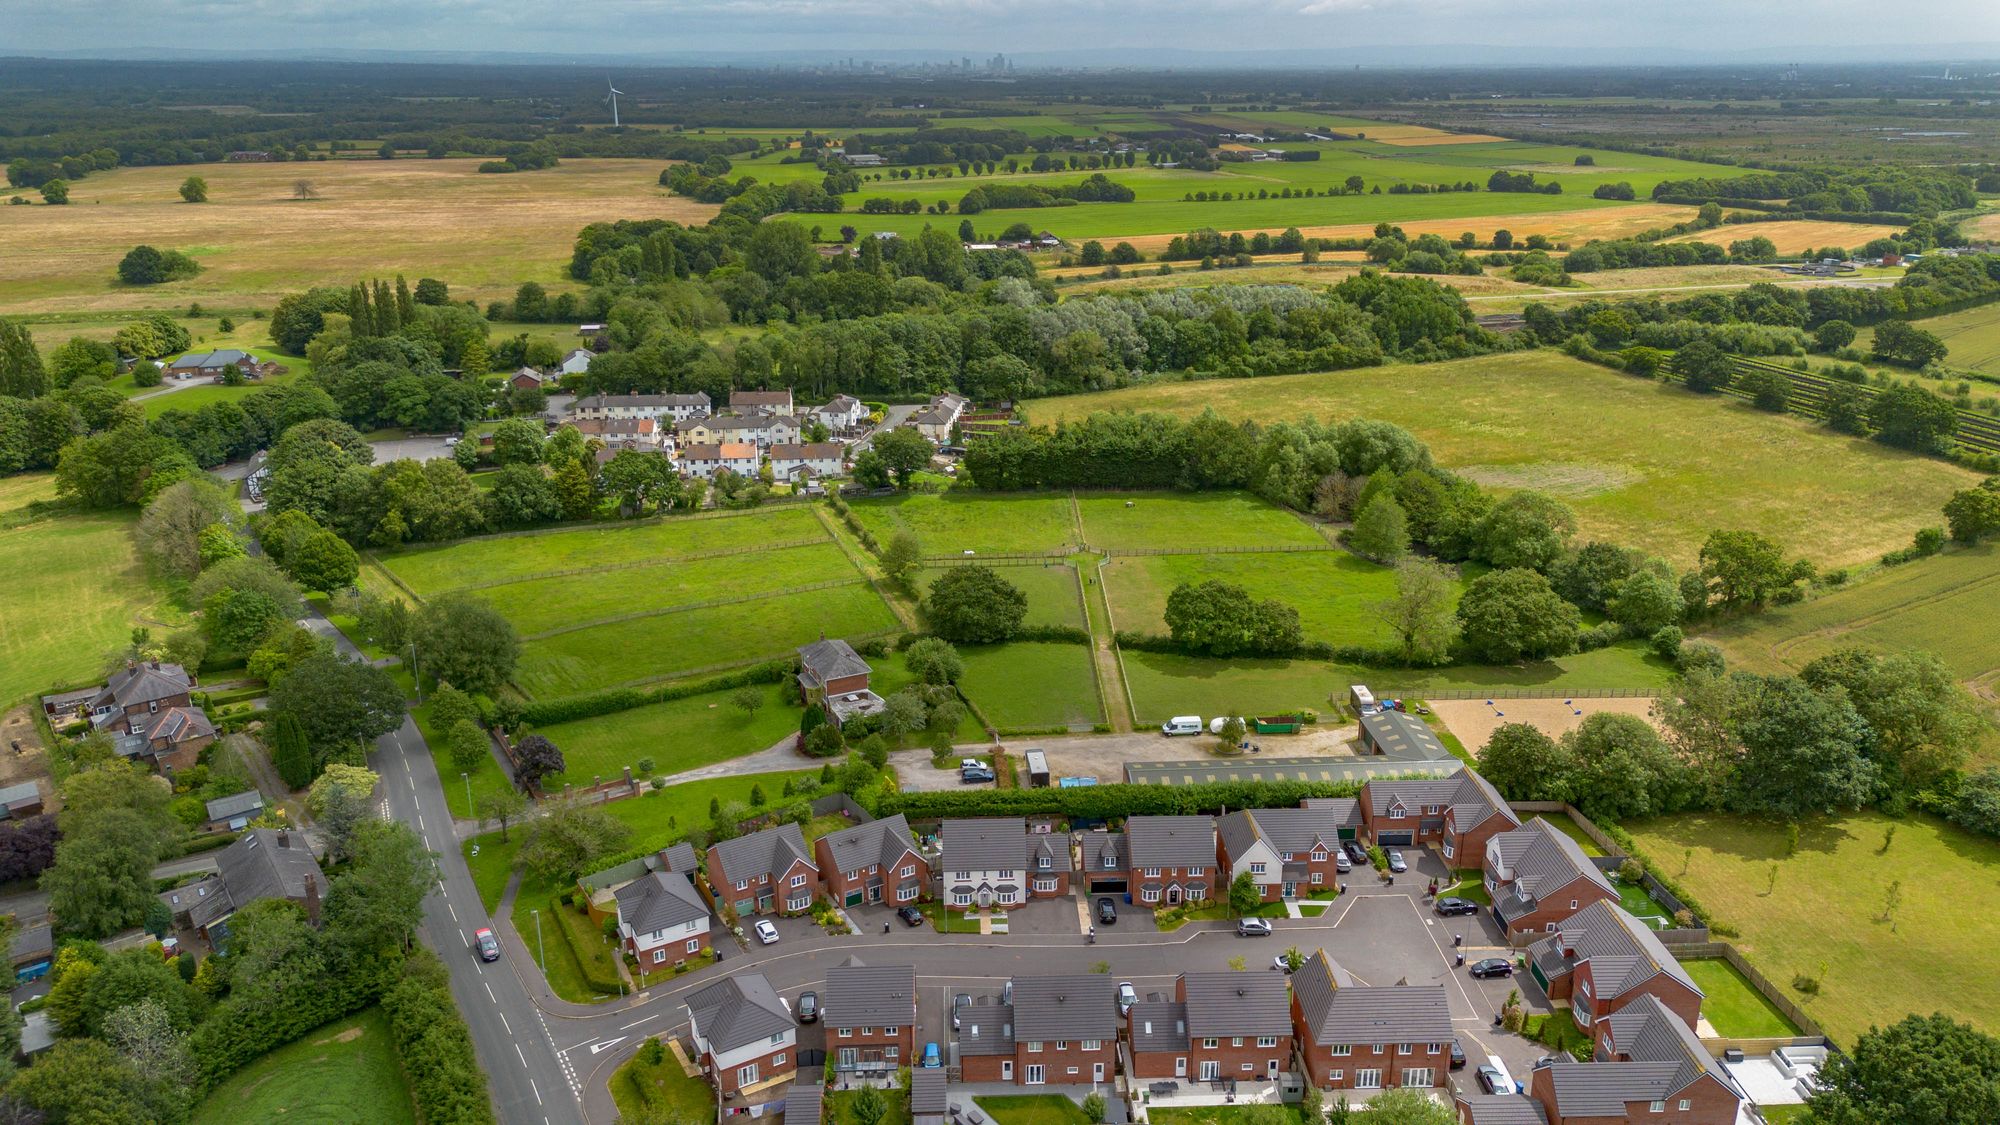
(1143, 521)
(1335, 592)
(1575, 224)
(1642, 463)
(1794, 236)
(482, 234)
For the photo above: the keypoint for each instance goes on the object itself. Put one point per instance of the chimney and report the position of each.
(284, 838)
(131, 666)
(156, 665)
(312, 901)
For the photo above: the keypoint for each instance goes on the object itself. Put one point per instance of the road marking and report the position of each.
(596, 1048)
(453, 909)
(420, 822)
(466, 940)
(412, 779)
(509, 1028)
(496, 1000)
(637, 1022)
(538, 1093)
(522, 1057)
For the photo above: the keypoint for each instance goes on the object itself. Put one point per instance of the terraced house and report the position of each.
(1457, 815)
(871, 863)
(1603, 959)
(1288, 852)
(1058, 1030)
(1218, 1026)
(1538, 878)
(765, 872)
(1355, 1037)
(996, 861)
(870, 1016)
(1170, 859)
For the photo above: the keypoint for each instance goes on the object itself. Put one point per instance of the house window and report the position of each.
(1449, 851)
(1150, 896)
(1583, 986)
(694, 945)
(1397, 812)
(890, 1053)
(909, 871)
(1419, 1076)
(1432, 1049)
(1042, 862)
(1267, 1040)
(659, 955)
(1209, 1044)
(798, 880)
(1197, 893)
(1285, 857)
(1093, 1044)
(961, 900)
(746, 1075)
(1432, 810)
(1196, 872)
(1319, 855)
(1406, 1049)
(1034, 1047)
(888, 1031)
(1340, 1049)
(1236, 1041)
(1335, 1078)
(1256, 869)
(1318, 878)
(777, 1060)
(964, 875)
(867, 1031)
(1152, 873)
(1111, 863)
(905, 894)
(1370, 1079)
(778, 1037)
(799, 903)
(1685, 1105)
(742, 885)
(847, 1033)
(1657, 1107)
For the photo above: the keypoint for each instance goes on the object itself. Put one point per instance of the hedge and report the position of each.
(1108, 802)
(249, 1025)
(1307, 650)
(210, 842)
(574, 707)
(434, 1045)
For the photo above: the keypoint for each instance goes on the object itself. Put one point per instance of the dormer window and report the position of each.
(1397, 811)
(1042, 862)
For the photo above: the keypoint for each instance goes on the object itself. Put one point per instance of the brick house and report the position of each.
(996, 861)
(743, 1035)
(1104, 866)
(1474, 1108)
(870, 1016)
(876, 862)
(662, 919)
(1170, 859)
(833, 676)
(1058, 1030)
(531, 379)
(772, 402)
(662, 409)
(1456, 814)
(263, 863)
(1649, 1066)
(703, 461)
(1354, 1037)
(766, 872)
(1602, 959)
(1218, 1026)
(598, 890)
(1538, 877)
(1288, 852)
(147, 710)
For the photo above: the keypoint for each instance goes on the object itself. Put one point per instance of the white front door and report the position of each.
(1180, 1068)
(1006, 1070)
(1097, 1072)
(1036, 1074)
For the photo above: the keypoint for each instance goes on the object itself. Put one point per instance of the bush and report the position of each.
(1666, 644)
(434, 1046)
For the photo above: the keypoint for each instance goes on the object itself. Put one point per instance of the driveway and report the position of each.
(410, 449)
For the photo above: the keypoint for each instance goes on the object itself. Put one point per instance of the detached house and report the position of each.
(1538, 877)
(1288, 852)
(1649, 1066)
(874, 862)
(743, 1035)
(843, 412)
(531, 379)
(935, 420)
(264, 863)
(1104, 865)
(766, 872)
(217, 363)
(1218, 1026)
(1369, 1038)
(1171, 859)
(148, 711)
(1458, 814)
(834, 677)
(996, 861)
(1059, 1030)
(661, 919)
(1603, 959)
(576, 362)
(870, 1016)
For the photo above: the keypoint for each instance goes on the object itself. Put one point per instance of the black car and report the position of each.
(1453, 906)
(910, 915)
(1491, 968)
(1107, 912)
(974, 775)
(1457, 1055)
(1356, 851)
(808, 1007)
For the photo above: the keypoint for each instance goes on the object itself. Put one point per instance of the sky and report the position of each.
(980, 27)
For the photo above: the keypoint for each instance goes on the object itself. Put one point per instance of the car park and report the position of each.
(910, 915)
(808, 1006)
(1127, 996)
(1396, 863)
(487, 944)
(1107, 912)
(1253, 927)
(767, 931)
(1492, 968)
(1450, 906)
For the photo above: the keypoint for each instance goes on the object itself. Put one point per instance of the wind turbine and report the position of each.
(613, 99)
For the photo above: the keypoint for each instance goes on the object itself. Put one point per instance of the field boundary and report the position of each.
(1514, 693)
(569, 527)
(710, 603)
(1254, 549)
(727, 665)
(1006, 557)
(637, 564)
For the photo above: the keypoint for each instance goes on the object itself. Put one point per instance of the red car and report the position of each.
(488, 945)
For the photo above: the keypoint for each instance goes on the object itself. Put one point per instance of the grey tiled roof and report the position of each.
(804, 1103)
(1502, 1109)
(1286, 830)
(680, 857)
(237, 804)
(255, 867)
(1400, 733)
(1228, 1003)
(825, 660)
(601, 402)
(1603, 1089)
(738, 1011)
(1345, 1013)
(1105, 851)
(1543, 861)
(1346, 808)
(770, 851)
(1159, 1025)
(927, 1093)
(1646, 1030)
(1464, 791)
(1623, 953)
(1050, 846)
(990, 843)
(1071, 1006)
(861, 995)
(143, 683)
(659, 900)
(987, 1030)
(876, 842)
(1170, 841)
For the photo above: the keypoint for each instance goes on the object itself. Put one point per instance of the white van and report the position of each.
(1181, 724)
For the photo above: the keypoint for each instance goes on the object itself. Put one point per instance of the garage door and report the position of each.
(854, 898)
(1107, 886)
(1395, 839)
(1347, 833)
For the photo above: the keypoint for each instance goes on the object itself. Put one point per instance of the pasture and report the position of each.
(951, 523)
(1972, 335)
(75, 588)
(1825, 916)
(1051, 589)
(1335, 592)
(678, 735)
(1032, 685)
(482, 234)
(1643, 464)
(345, 1073)
(1145, 521)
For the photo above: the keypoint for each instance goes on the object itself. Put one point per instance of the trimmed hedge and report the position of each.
(434, 1045)
(571, 708)
(1308, 650)
(1107, 802)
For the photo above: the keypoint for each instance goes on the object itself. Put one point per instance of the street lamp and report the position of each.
(540, 954)
(468, 792)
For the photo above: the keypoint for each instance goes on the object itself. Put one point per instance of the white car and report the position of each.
(452, 442)
(767, 931)
(1127, 996)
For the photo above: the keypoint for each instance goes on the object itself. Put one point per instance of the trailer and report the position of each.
(1362, 699)
(1278, 724)
(1038, 770)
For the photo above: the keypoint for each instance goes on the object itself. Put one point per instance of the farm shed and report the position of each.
(1400, 735)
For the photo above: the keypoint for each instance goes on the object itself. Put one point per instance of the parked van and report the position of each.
(1181, 724)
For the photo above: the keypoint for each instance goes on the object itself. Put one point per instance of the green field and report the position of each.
(1642, 463)
(345, 1073)
(1335, 592)
(75, 586)
(1732, 1005)
(1825, 917)
(1032, 685)
(1139, 521)
(951, 523)
(1053, 597)
(661, 1089)
(539, 605)
(682, 734)
(1973, 337)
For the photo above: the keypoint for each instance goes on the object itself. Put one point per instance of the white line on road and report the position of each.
(453, 909)
(420, 822)
(412, 779)
(538, 1093)
(637, 1022)
(522, 1057)
(509, 1028)
(496, 1000)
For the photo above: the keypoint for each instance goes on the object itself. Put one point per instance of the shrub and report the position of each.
(1666, 644)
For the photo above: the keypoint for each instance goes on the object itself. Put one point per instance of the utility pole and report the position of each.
(416, 671)
(540, 954)
(468, 792)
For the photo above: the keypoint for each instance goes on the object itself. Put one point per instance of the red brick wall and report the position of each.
(1231, 1059)
(905, 1041)
(1681, 1000)
(1556, 907)
(1469, 847)
(841, 685)
(676, 950)
(1058, 1062)
(836, 884)
(1321, 1062)
(1136, 877)
(725, 1080)
(724, 886)
(982, 1068)
(1158, 1064)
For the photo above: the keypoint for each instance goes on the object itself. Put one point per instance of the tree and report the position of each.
(1974, 513)
(102, 878)
(1527, 529)
(467, 642)
(1646, 602)
(145, 1035)
(374, 902)
(1925, 725)
(1704, 366)
(575, 491)
(933, 661)
(1744, 568)
(1802, 750)
(1421, 613)
(900, 556)
(1244, 894)
(1833, 336)
(21, 372)
(974, 605)
(501, 805)
(84, 1082)
(170, 530)
(1381, 531)
(1923, 1068)
(1510, 615)
(536, 758)
(468, 745)
(748, 699)
(1913, 418)
(290, 754)
(518, 441)
(1898, 341)
(145, 265)
(81, 358)
(1407, 1107)
(903, 451)
(304, 189)
(341, 704)
(88, 993)
(323, 562)
(867, 1107)
(1525, 764)
(568, 835)
(1619, 767)
(55, 192)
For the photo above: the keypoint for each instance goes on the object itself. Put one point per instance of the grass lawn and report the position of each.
(948, 921)
(1051, 589)
(345, 1072)
(1825, 918)
(1562, 823)
(1140, 520)
(1634, 899)
(1614, 447)
(838, 1107)
(639, 1088)
(539, 605)
(1334, 592)
(494, 863)
(1313, 909)
(1032, 684)
(948, 523)
(1472, 890)
(682, 734)
(1032, 1109)
(1227, 1115)
(664, 815)
(75, 587)
(1732, 1005)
